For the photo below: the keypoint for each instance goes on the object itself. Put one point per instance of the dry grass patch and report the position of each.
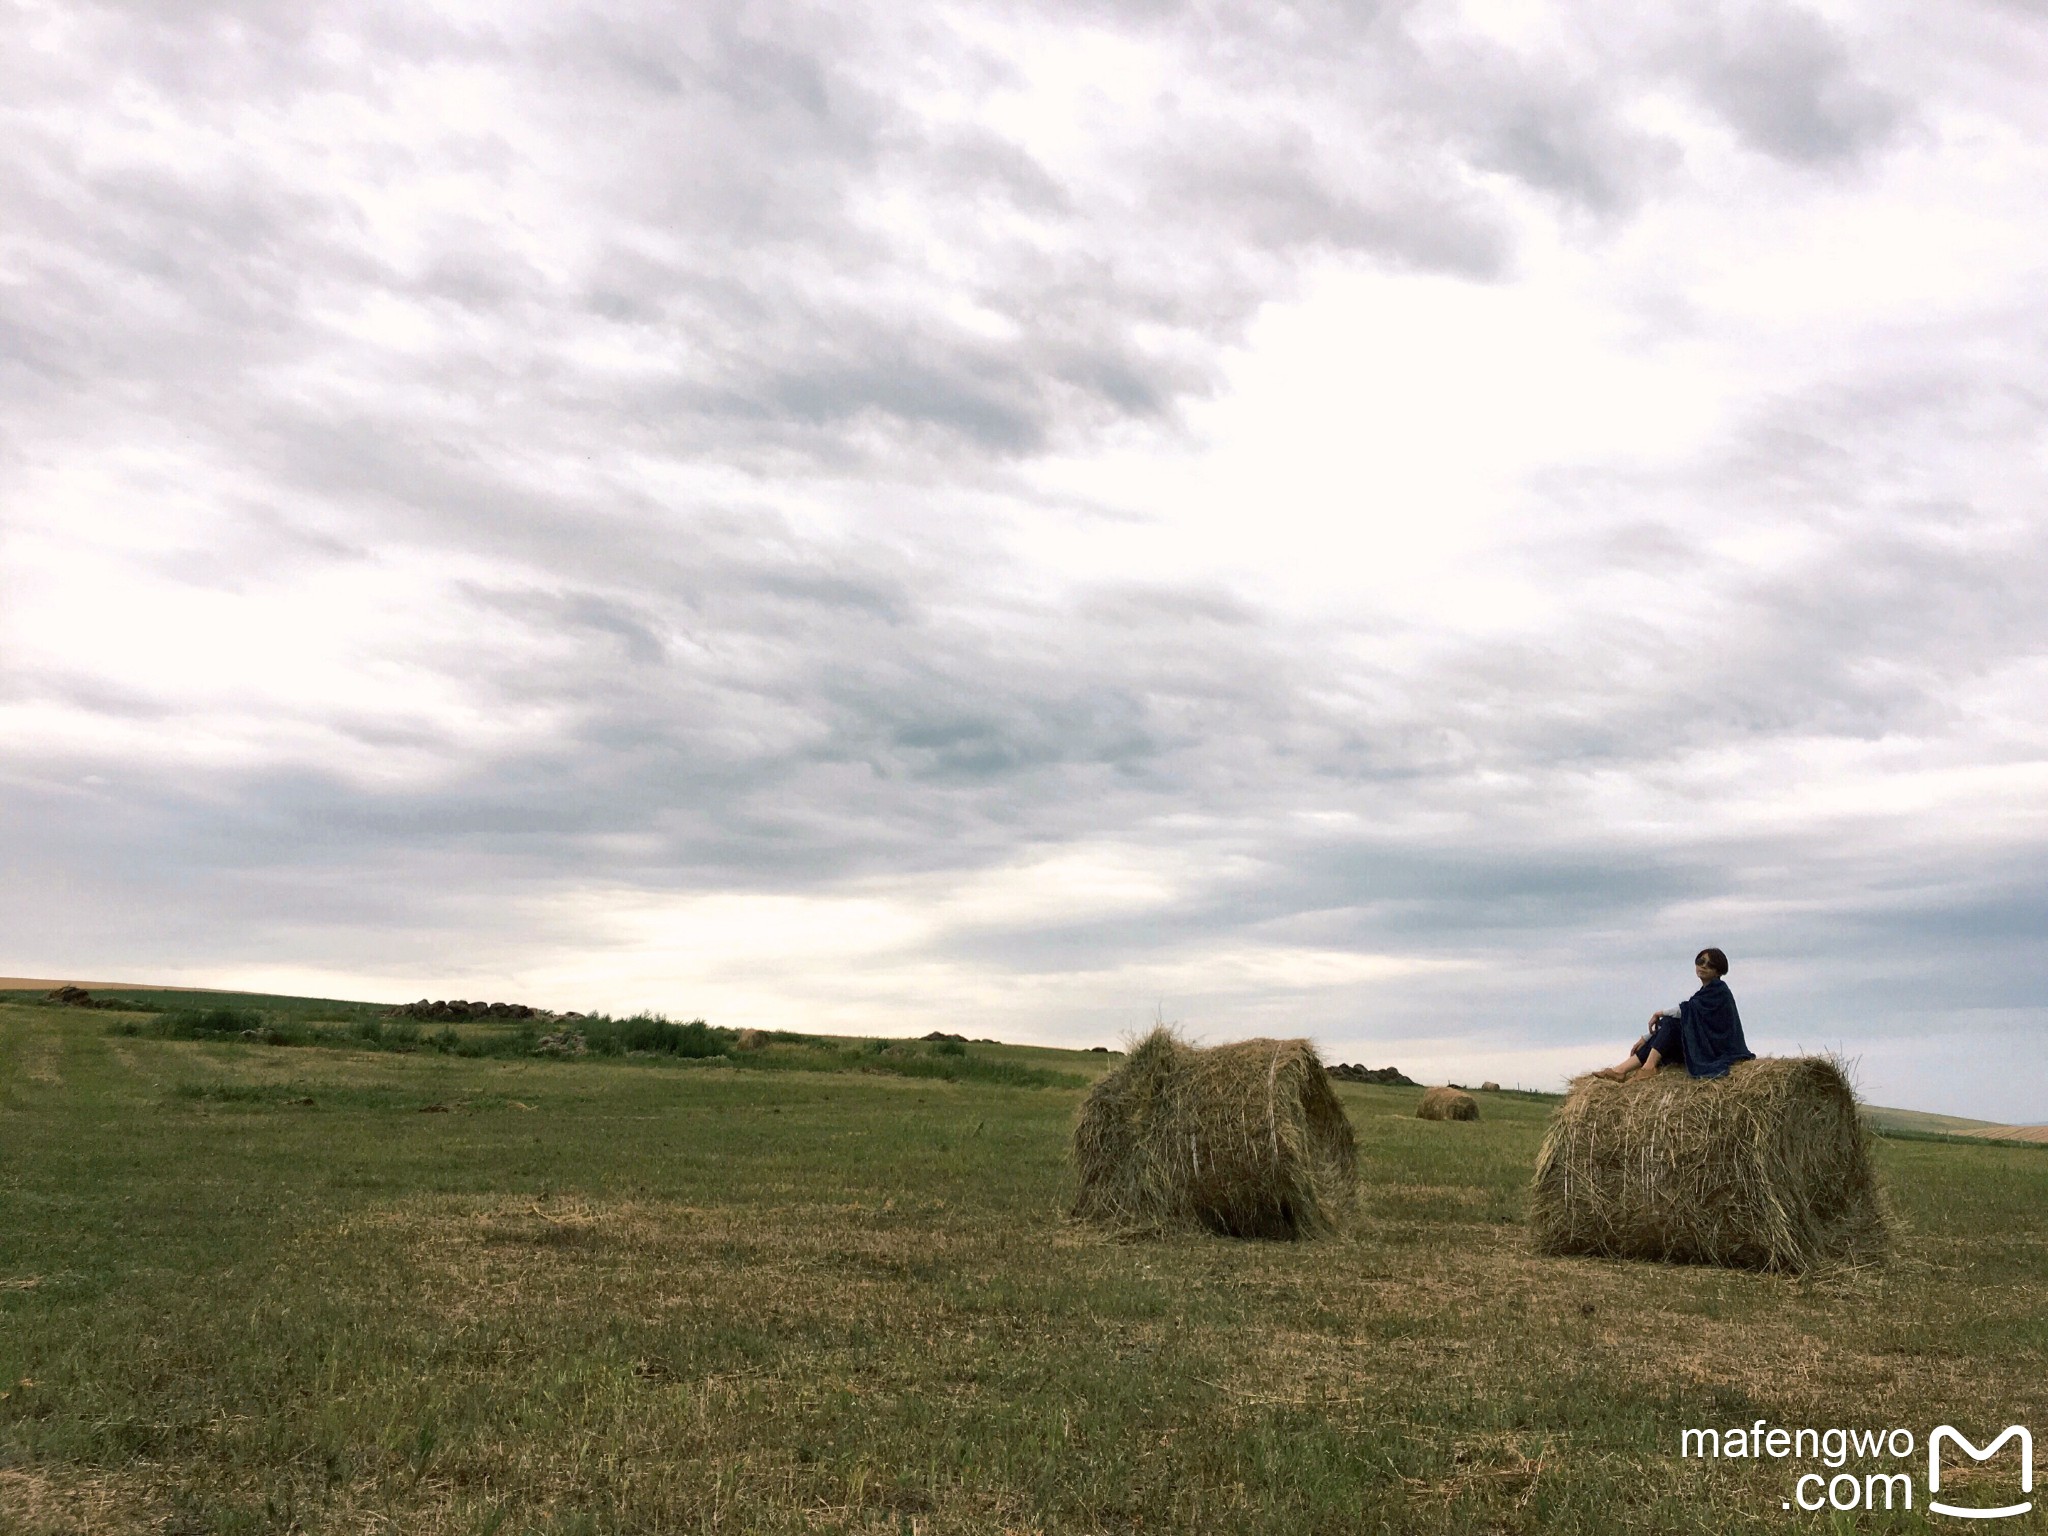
(1489, 1311)
(75, 1502)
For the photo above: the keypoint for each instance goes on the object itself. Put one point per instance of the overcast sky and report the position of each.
(1396, 523)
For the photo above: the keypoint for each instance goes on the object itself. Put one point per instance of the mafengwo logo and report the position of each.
(1948, 1434)
(1834, 1472)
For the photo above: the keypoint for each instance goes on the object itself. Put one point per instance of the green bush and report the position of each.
(969, 1069)
(653, 1034)
(198, 1023)
(228, 1024)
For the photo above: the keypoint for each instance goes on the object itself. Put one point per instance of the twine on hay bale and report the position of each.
(1766, 1168)
(1248, 1140)
(1447, 1104)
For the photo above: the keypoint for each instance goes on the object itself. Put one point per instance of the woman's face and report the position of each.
(1705, 972)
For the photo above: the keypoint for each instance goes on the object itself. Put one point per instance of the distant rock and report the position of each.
(77, 997)
(1385, 1077)
(458, 1009)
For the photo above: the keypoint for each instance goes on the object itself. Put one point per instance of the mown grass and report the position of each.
(254, 1288)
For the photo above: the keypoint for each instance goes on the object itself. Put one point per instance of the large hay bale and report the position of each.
(1448, 1104)
(1247, 1140)
(1766, 1168)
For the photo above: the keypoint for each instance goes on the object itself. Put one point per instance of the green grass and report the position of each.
(257, 1288)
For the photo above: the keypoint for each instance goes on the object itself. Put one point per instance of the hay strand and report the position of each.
(1766, 1168)
(1247, 1140)
(1447, 1104)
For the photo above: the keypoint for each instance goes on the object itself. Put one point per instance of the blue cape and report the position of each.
(1712, 1031)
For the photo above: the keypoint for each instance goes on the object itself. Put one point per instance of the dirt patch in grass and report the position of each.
(39, 1063)
(456, 1241)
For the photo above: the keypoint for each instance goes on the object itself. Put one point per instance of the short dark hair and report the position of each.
(1713, 958)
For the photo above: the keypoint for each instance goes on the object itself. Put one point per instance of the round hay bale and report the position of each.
(749, 1040)
(1247, 1140)
(1447, 1104)
(1766, 1168)
(1489, 1087)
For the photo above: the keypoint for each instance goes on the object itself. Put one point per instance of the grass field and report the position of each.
(247, 1287)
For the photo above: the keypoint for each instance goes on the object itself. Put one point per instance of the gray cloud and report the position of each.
(733, 182)
(686, 370)
(1785, 81)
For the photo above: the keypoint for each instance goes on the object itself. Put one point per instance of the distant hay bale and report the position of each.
(1448, 1104)
(1489, 1087)
(1766, 1168)
(750, 1040)
(1247, 1140)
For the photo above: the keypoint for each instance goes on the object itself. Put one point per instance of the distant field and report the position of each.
(1913, 1122)
(323, 1288)
(35, 987)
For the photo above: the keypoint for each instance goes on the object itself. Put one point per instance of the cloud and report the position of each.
(1389, 523)
(698, 231)
(1786, 82)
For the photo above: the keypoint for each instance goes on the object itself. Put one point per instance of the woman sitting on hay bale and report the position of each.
(1703, 1034)
(1748, 1162)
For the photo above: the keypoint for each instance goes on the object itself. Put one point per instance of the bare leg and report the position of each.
(1650, 1065)
(1626, 1065)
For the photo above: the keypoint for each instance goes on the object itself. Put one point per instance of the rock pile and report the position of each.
(1385, 1077)
(77, 997)
(462, 1008)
